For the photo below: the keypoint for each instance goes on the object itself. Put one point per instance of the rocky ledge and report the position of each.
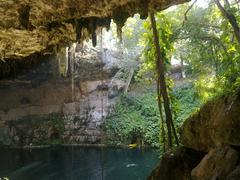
(211, 144)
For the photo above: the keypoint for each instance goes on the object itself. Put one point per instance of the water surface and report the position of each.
(72, 163)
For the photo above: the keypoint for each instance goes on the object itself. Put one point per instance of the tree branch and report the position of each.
(185, 14)
(231, 18)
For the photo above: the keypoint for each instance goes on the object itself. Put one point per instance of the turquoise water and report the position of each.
(77, 163)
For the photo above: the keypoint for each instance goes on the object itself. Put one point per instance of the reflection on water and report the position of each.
(77, 163)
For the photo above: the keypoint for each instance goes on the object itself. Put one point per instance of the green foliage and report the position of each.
(188, 101)
(132, 32)
(134, 117)
(57, 128)
(139, 115)
(206, 43)
(166, 44)
(57, 123)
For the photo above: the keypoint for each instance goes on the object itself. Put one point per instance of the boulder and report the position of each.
(216, 124)
(217, 164)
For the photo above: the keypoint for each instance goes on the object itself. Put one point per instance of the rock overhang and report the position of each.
(41, 26)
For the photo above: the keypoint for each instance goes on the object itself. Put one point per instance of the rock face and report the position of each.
(59, 103)
(35, 130)
(216, 124)
(31, 26)
(213, 130)
(217, 164)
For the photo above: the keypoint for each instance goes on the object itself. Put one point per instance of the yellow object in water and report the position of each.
(132, 146)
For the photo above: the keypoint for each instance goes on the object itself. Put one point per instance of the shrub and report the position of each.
(137, 116)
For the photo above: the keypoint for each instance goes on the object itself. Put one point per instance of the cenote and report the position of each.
(81, 78)
(77, 163)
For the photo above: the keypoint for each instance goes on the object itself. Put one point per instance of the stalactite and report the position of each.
(120, 16)
(104, 22)
(54, 22)
(143, 6)
(93, 28)
(91, 24)
(78, 31)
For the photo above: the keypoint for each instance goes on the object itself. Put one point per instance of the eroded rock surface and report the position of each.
(217, 123)
(217, 164)
(213, 130)
(30, 26)
(49, 104)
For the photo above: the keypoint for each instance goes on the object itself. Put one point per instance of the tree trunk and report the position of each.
(163, 88)
(230, 17)
(161, 116)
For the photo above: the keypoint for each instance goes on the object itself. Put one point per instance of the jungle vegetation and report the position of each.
(205, 39)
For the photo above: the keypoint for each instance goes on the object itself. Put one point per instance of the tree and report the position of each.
(161, 83)
(207, 44)
(156, 59)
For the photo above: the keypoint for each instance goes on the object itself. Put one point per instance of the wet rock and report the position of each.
(217, 164)
(176, 165)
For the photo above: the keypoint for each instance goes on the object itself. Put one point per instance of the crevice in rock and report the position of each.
(54, 25)
(11, 68)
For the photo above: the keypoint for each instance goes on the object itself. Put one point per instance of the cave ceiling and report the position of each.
(41, 26)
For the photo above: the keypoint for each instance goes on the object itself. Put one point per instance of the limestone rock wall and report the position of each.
(44, 106)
